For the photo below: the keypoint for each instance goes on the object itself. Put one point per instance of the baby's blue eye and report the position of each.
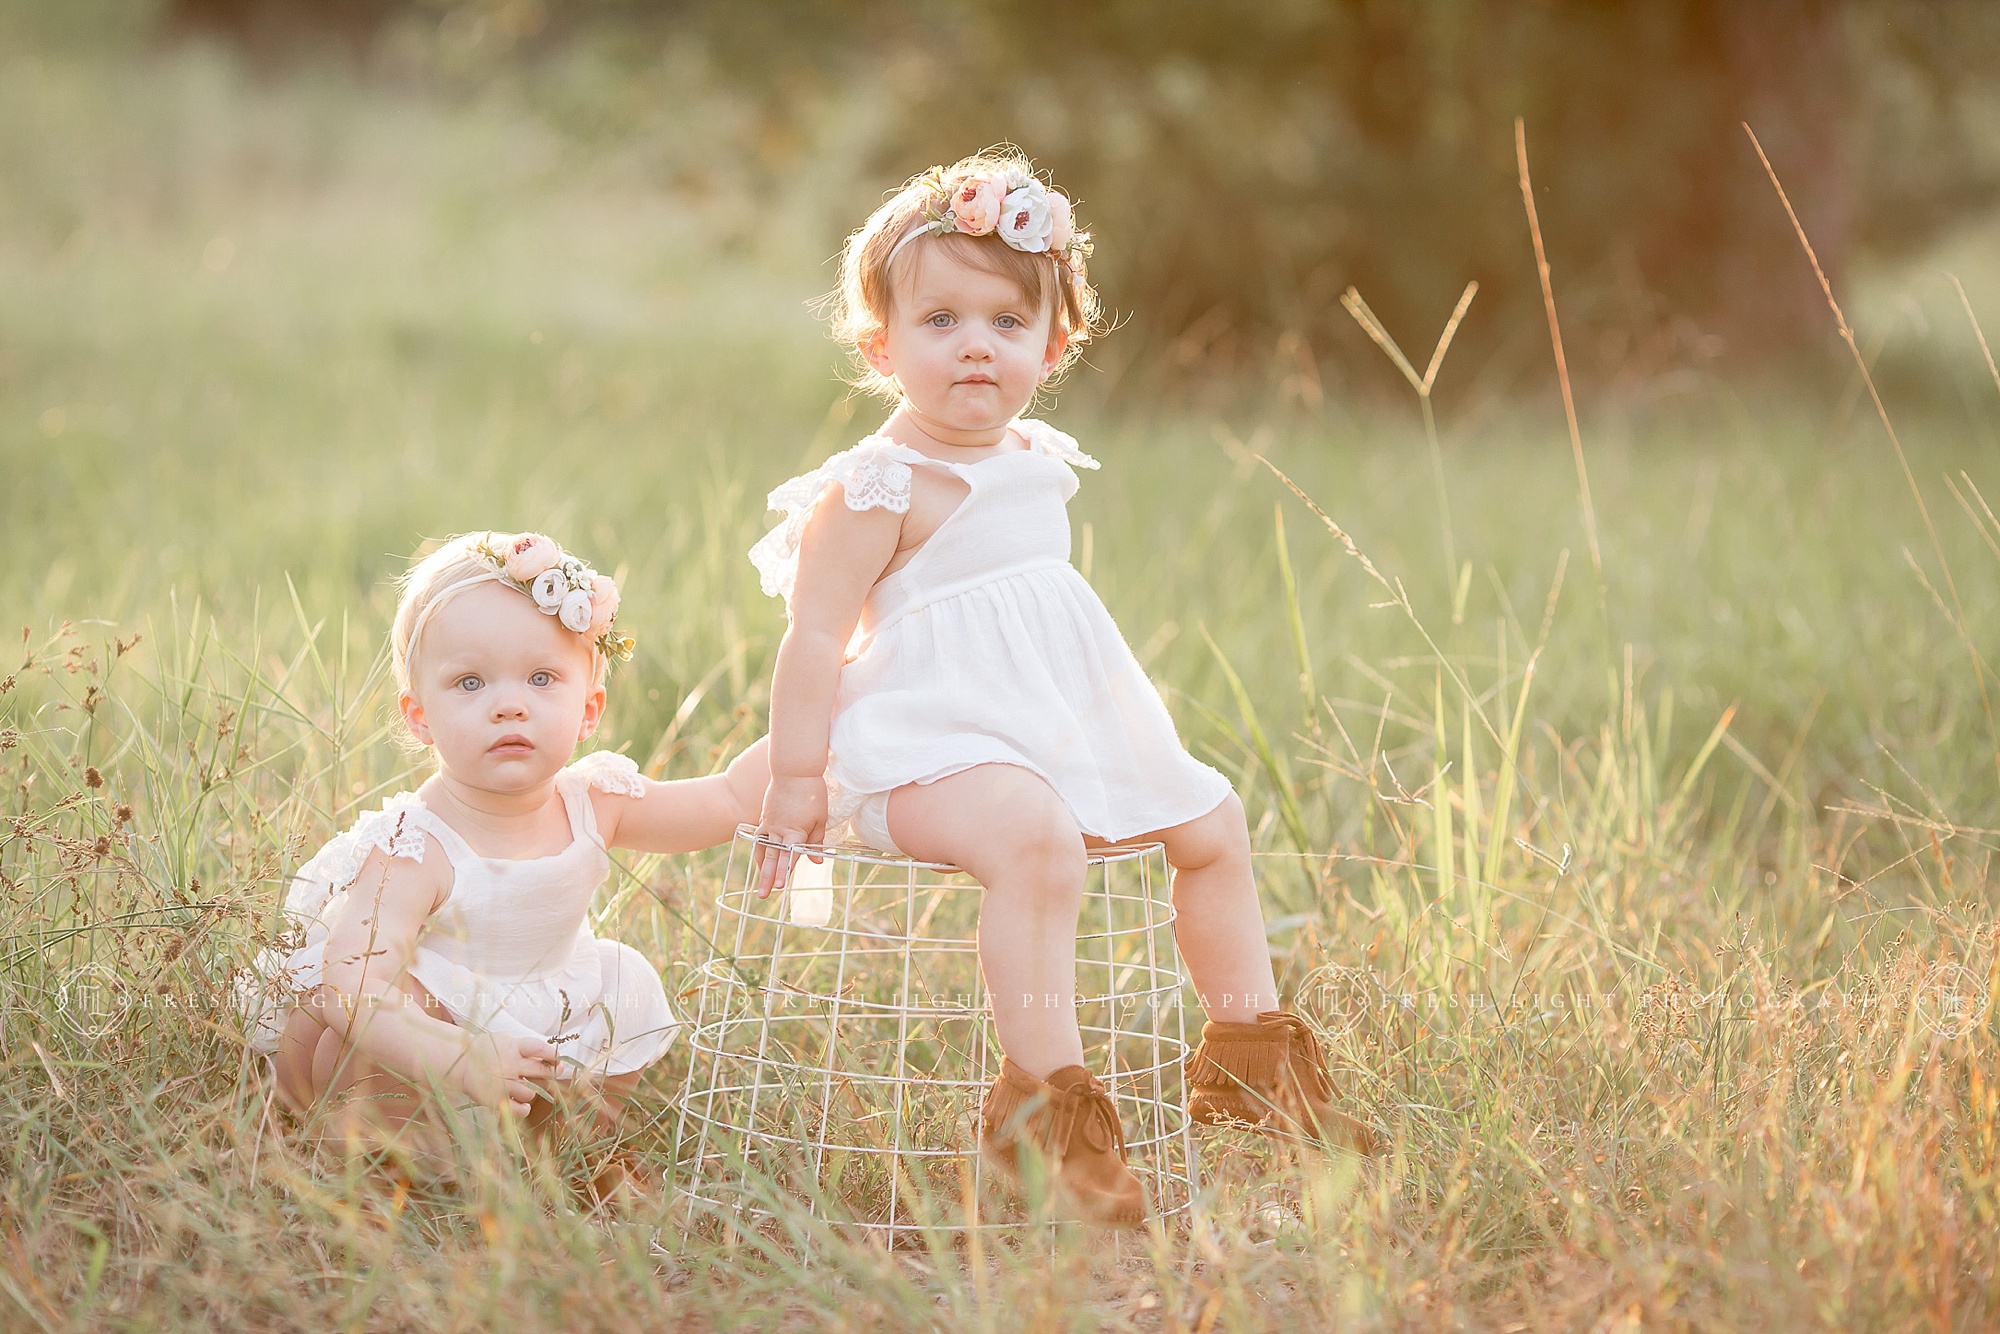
(542, 679)
(939, 321)
(467, 683)
(1008, 322)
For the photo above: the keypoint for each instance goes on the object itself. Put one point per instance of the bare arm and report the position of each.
(689, 813)
(841, 555)
(361, 997)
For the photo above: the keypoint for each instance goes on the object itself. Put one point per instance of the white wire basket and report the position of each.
(842, 1042)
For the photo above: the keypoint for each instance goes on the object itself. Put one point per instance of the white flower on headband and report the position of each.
(1026, 218)
(563, 587)
(548, 590)
(575, 610)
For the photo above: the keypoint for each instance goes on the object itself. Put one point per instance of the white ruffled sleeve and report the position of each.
(397, 829)
(1047, 439)
(871, 476)
(608, 771)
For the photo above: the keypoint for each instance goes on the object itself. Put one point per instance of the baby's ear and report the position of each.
(593, 712)
(413, 717)
(874, 350)
(1058, 343)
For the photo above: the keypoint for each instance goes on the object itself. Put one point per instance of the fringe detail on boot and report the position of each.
(1233, 1062)
(1306, 1061)
(1014, 1090)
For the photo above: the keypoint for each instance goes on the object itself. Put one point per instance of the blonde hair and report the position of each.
(860, 306)
(459, 563)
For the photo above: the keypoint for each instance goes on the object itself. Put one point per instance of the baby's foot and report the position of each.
(1270, 1074)
(621, 1182)
(1070, 1118)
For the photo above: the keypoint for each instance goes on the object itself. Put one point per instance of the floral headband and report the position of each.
(1011, 204)
(561, 586)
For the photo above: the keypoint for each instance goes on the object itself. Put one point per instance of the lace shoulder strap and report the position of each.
(398, 829)
(875, 474)
(608, 771)
(1046, 439)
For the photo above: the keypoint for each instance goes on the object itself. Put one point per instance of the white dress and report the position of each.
(511, 951)
(989, 648)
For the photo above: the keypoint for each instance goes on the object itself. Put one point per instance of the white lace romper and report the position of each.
(510, 951)
(988, 648)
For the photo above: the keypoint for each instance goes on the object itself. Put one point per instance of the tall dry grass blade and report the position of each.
(1991, 525)
(1895, 441)
(1450, 332)
(1373, 327)
(1447, 852)
(1700, 761)
(1562, 362)
(1474, 819)
(1297, 618)
(1503, 796)
(1977, 332)
(1983, 518)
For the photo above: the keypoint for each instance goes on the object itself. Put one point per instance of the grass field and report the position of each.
(1650, 913)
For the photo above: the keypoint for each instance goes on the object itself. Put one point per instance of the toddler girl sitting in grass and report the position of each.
(950, 687)
(442, 943)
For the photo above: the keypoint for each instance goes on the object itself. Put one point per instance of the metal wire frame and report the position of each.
(846, 1061)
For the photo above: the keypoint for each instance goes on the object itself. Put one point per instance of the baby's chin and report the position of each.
(974, 407)
(516, 771)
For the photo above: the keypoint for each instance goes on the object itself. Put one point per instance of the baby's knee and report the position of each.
(1032, 828)
(1222, 835)
(292, 1064)
(1053, 846)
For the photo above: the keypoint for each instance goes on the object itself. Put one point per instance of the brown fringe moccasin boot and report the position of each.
(1270, 1074)
(1069, 1117)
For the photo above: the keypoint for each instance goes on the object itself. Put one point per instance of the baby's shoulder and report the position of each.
(402, 828)
(401, 840)
(423, 870)
(608, 772)
(874, 474)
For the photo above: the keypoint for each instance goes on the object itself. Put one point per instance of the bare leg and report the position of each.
(1218, 922)
(1009, 830)
(315, 1065)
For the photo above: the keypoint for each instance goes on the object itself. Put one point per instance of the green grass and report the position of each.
(1651, 1007)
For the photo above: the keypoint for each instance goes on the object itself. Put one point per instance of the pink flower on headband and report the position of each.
(603, 605)
(1061, 226)
(975, 204)
(529, 555)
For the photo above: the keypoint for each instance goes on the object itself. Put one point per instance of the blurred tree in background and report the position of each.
(1244, 164)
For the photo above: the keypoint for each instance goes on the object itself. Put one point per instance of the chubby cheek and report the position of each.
(458, 721)
(453, 726)
(571, 715)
